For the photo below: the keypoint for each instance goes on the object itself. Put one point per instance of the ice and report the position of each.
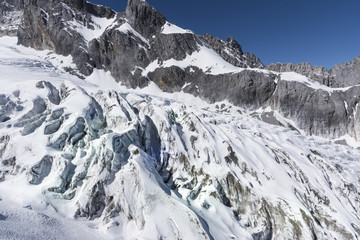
(271, 161)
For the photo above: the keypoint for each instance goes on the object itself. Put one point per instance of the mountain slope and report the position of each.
(126, 126)
(146, 164)
(139, 46)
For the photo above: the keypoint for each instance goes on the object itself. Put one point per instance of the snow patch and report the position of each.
(206, 59)
(170, 28)
(296, 77)
(126, 28)
(99, 24)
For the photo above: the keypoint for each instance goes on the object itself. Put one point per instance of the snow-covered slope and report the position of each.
(90, 159)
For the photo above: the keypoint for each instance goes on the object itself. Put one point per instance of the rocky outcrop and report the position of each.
(11, 15)
(144, 18)
(347, 74)
(54, 26)
(319, 74)
(247, 88)
(341, 75)
(231, 51)
(320, 112)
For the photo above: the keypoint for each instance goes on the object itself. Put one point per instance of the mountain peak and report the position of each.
(144, 18)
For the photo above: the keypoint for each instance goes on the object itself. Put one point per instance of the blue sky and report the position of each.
(322, 32)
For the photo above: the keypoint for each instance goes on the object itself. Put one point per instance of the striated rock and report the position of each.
(247, 88)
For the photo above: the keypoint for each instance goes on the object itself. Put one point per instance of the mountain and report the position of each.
(342, 75)
(125, 126)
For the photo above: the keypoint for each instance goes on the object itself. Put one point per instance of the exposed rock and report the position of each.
(174, 46)
(47, 26)
(347, 74)
(231, 51)
(247, 88)
(319, 74)
(144, 18)
(317, 112)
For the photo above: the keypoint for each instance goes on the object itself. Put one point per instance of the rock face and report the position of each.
(247, 88)
(231, 51)
(145, 19)
(56, 26)
(342, 75)
(347, 74)
(11, 13)
(334, 114)
(319, 74)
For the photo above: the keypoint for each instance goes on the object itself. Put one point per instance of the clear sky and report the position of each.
(322, 32)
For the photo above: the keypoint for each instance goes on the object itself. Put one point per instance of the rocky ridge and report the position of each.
(342, 75)
(316, 73)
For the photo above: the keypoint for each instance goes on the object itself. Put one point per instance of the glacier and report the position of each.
(92, 159)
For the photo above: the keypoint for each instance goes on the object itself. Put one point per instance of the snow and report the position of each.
(99, 24)
(170, 28)
(206, 59)
(274, 156)
(126, 28)
(296, 77)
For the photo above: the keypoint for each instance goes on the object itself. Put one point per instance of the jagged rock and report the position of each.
(11, 12)
(174, 46)
(347, 74)
(121, 54)
(158, 154)
(246, 88)
(47, 27)
(317, 112)
(231, 51)
(319, 74)
(144, 18)
(341, 75)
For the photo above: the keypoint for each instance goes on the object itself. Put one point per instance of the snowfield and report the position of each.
(90, 159)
